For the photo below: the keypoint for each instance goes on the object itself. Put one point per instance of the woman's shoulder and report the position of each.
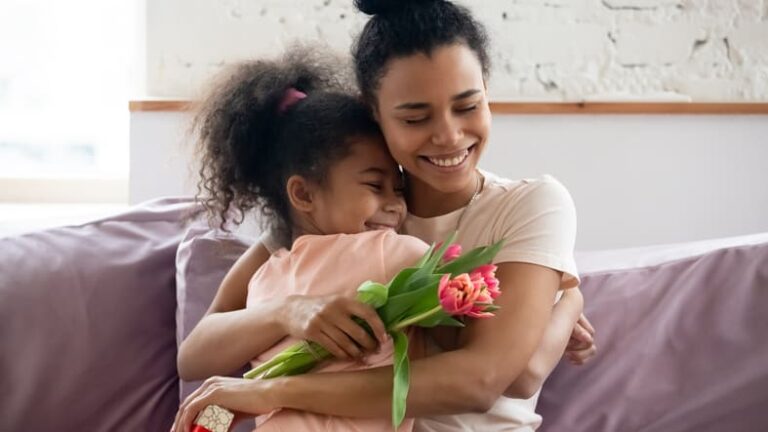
(544, 190)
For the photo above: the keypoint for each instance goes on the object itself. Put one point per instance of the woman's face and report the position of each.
(434, 113)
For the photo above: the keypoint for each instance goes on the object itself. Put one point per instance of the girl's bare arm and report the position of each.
(233, 333)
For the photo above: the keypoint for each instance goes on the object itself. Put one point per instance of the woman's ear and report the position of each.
(375, 112)
(300, 193)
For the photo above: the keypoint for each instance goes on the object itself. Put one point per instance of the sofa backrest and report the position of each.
(87, 337)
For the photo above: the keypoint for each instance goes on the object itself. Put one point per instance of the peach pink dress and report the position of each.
(332, 264)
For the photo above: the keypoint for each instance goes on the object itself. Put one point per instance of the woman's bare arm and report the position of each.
(564, 316)
(493, 354)
(234, 333)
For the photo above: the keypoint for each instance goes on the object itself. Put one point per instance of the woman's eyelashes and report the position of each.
(424, 119)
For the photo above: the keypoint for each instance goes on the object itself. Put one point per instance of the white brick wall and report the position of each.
(570, 50)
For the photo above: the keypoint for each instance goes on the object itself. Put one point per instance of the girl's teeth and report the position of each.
(449, 162)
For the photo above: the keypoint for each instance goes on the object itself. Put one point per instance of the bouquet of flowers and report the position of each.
(440, 289)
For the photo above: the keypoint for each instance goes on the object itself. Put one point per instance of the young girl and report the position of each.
(422, 67)
(315, 163)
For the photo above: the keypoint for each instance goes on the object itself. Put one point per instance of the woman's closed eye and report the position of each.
(467, 108)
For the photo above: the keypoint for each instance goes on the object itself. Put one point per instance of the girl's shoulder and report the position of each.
(386, 241)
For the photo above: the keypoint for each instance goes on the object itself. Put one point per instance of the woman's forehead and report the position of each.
(445, 73)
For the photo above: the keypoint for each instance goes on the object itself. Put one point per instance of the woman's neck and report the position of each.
(425, 201)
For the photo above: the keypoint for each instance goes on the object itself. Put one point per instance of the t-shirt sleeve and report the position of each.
(539, 223)
(401, 251)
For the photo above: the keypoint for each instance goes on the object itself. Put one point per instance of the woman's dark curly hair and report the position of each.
(249, 147)
(399, 28)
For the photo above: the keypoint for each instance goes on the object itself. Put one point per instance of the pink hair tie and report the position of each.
(290, 97)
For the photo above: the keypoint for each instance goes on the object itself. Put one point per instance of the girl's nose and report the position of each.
(395, 204)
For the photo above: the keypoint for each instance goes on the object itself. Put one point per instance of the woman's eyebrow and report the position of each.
(465, 94)
(422, 105)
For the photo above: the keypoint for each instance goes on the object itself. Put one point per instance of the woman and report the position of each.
(422, 65)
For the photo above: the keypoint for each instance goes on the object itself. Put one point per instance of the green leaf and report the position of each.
(401, 378)
(402, 305)
(428, 298)
(399, 282)
(372, 293)
(434, 260)
(440, 319)
(425, 257)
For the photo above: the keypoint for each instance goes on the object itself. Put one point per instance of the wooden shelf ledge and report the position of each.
(685, 108)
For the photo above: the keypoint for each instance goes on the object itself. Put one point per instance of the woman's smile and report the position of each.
(449, 162)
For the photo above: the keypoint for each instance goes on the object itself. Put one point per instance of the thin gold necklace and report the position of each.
(478, 188)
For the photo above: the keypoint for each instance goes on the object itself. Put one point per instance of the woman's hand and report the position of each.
(581, 346)
(328, 320)
(245, 398)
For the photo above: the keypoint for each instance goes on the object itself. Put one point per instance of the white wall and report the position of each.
(570, 50)
(636, 180)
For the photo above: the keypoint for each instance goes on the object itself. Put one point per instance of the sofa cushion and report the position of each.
(204, 257)
(87, 340)
(681, 347)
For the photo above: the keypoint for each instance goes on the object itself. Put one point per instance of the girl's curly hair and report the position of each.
(248, 147)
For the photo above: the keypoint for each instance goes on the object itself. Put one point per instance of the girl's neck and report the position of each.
(425, 201)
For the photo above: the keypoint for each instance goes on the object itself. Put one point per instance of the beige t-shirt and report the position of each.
(538, 219)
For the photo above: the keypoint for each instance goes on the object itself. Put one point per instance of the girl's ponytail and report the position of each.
(239, 125)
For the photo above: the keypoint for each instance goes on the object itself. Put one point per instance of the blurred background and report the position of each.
(671, 145)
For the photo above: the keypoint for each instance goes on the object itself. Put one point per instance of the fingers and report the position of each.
(180, 423)
(582, 334)
(177, 420)
(356, 334)
(339, 343)
(584, 322)
(337, 327)
(369, 315)
(580, 357)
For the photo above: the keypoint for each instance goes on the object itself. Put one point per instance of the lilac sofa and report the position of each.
(91, 316)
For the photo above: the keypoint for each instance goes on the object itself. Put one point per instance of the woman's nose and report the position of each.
(447, 132)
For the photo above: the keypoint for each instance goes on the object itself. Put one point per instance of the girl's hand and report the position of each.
(581, 347)
(328, 321)
(245, 398)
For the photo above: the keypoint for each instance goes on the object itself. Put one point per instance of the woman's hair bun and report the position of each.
(382, 7)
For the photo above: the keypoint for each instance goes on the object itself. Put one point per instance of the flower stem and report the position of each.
(416, 318)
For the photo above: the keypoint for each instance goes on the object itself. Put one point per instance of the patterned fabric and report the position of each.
(214, 419)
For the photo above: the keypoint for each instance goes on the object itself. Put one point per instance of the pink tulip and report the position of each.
(451, 253)
(488, 274)
(457, 295)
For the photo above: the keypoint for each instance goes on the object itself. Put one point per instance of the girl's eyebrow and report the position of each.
(422, 105)
(374, 170)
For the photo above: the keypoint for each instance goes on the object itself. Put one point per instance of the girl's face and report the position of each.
(362, 192)
(434, 113)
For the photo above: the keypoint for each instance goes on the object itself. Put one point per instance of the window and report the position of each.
(64, 87)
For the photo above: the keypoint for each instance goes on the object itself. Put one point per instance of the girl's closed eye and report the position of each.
(374, 186)
(467, 108)
(415, 121)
